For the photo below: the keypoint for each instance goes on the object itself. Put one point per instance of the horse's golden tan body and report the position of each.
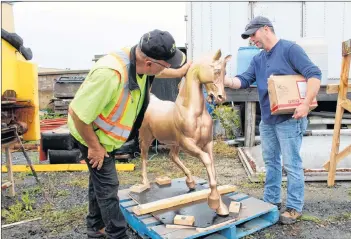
(185, 124)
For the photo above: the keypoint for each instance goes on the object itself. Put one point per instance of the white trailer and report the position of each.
(213, 25)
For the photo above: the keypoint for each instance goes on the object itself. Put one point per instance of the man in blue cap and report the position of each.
(280, 134)
(107, 111)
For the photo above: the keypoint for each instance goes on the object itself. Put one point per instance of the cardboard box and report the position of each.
(286, 93)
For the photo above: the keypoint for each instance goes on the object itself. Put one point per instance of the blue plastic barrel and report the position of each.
(245, 55)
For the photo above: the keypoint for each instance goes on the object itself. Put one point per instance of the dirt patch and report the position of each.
(62, 201)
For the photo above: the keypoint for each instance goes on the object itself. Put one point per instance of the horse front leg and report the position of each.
(222, 209)
(174, 154)
(145, 140)
(190, 147)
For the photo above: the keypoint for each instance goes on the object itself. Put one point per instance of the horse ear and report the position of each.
(217, 55)
(227, 58)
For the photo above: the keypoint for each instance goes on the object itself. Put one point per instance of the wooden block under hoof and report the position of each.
(138, 188)
(184, 220)
(234, 207)
(163, 180)
(171, 226)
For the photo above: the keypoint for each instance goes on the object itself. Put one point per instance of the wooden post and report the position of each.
(341, 104)
(9, 170)
(250, 123)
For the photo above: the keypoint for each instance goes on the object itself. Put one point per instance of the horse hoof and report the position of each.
(147, 184)
(222, 210)
(191, 185)
(213, 203)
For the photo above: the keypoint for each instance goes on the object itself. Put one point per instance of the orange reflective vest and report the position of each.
(119, 122)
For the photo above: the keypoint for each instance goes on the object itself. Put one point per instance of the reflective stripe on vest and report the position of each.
(111, 125)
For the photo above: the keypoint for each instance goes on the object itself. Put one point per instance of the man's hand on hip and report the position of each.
(301, 111)
(96, 156)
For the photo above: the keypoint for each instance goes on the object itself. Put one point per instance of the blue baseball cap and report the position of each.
(254, 25)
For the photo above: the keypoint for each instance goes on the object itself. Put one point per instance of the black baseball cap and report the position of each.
(160, 45)
(254, 25)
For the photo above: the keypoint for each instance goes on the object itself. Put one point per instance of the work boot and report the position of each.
(96, 234)
(290, 216)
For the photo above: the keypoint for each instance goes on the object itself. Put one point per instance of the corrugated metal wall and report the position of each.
(212, 25)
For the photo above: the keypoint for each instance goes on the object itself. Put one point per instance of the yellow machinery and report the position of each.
(19, 84)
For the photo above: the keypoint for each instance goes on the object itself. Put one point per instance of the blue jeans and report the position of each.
(283, 139)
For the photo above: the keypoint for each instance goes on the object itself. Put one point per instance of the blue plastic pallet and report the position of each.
(254, 215)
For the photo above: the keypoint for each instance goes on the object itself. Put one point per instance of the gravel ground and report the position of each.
(62, 201)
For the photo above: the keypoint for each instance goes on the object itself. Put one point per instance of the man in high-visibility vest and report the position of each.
(108, 110)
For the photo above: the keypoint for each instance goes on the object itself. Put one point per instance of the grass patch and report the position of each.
(81, 182)
(55, 220)
(343, 217)
(251, 185)
(62, 193)
(21, 210)
(223, 149)
(34, 190)
(28, 201)
(256, 185)
(310, 218)
(64, 220)
(14, 213)
(21, 176)
(261, 178)
(269, 236)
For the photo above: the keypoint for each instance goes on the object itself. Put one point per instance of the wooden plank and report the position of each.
(128, 203)
(323, 96)
(6, 185)
(124, 195)
(163, 180)
(185, 220)
(242, 95)
(320, 120)
(199, 229)
(10, 170)
(329, 114)
(171, 226)
(173, 232)
(234, 207)
(339, 157)
(334, 88)
(179, 200)
(345, 68)
(346, 104)
(21, 222)
(62, 168)
(150, 221)
(251, 94)
(138, 188)
(250, 123)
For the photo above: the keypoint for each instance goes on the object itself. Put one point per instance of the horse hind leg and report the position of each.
(174, 154)
(145, 140)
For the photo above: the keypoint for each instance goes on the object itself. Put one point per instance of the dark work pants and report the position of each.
(104, 208)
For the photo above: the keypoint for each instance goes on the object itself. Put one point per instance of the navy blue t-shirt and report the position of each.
(285, 58)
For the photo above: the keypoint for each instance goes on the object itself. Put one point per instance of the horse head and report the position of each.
(211, 74)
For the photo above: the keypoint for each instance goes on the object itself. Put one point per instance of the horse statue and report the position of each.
(186, 124)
